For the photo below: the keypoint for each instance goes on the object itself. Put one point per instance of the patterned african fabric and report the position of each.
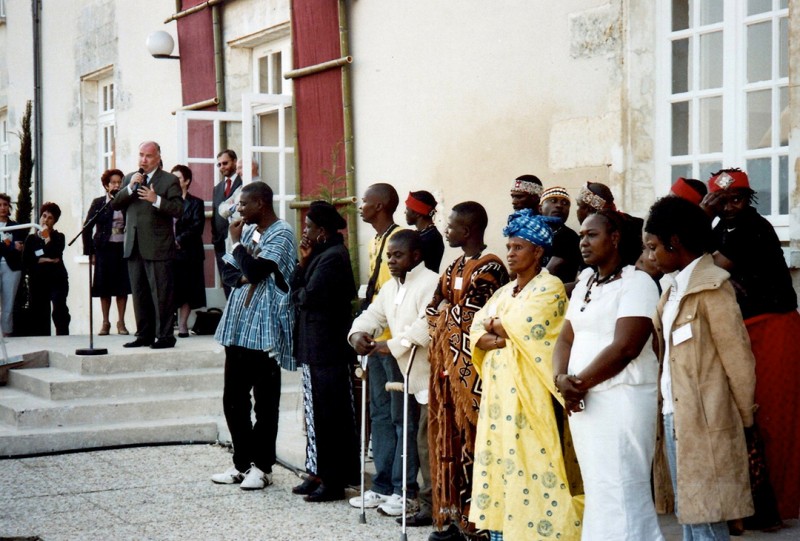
(520, 483)
(454, 397)
(260, 316)
(308, 411)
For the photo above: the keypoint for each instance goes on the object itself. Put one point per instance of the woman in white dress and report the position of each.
(607, 372)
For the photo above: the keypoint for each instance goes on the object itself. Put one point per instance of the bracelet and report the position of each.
(495, 340)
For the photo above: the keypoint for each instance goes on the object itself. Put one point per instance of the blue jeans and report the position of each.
(707, 531)
(386, 417)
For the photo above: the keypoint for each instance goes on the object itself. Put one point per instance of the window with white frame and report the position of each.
(2, 9)
(5, 165)
(725, 77)
(106, 136)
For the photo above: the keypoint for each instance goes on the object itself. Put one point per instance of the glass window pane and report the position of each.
(711, 11)
(759, 119)
(277, 74)
(759, 173)
(680, 128)
(680, 14)
(783, 48)
(263, 75)
(784, 4)
(711, 125)
(681, 170)
(681, 55)
(759, 52)
(758, 6)
(711, 60)
(783, 115)
(783, 185)
(707, 169)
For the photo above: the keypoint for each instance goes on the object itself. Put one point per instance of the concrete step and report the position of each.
(15, 442)
(58, 384)
(138, 360)
(26, 411)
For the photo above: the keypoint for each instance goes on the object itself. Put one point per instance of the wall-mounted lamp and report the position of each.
(160, 44)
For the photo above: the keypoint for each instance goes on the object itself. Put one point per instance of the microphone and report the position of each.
(136, 185)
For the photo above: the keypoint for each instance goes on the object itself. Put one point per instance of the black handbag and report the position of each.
(206, 321)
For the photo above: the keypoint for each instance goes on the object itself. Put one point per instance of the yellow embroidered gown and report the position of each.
(520, 485)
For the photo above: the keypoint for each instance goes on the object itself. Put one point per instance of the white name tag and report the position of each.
(39, 253)
(401, 293)
(459, 283)
(256, 237)
(492, 311)
(681, 334)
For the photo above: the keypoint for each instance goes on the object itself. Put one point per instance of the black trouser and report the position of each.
(153, 296)
(247, 369)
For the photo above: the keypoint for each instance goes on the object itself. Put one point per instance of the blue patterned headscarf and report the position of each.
(534, 228)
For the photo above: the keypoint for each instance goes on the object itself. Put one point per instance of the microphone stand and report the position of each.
(91, 350)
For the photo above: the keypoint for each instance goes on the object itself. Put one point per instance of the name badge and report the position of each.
(492, 311)
(256, 237)
(39, 253)
(459, 283)
(401, 293)
(682, 334)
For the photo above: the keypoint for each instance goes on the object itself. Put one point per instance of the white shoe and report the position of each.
(371, 499)
(255, 479)
(393, 507)
(229, 477)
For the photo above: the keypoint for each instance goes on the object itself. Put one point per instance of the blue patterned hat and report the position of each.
(532, 227)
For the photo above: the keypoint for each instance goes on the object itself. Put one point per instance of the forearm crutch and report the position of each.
(398, 386)
(362, 360)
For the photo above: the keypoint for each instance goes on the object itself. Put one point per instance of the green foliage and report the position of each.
(24, 201)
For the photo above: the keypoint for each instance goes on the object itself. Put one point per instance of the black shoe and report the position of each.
(138, 343)
(163, 343)
(417, 519)
(325, 494)
(183, 335)
(452, 533)
(308, 486)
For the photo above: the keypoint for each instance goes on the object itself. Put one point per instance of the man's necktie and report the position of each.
(227, 187)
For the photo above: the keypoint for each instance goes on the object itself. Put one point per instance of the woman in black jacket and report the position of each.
(190, 282)
(322, 290)
(106, 247)
(11, 243)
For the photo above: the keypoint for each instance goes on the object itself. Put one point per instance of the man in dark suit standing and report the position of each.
(222, 199)
(152, 198)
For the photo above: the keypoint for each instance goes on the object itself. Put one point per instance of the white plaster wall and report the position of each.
(461, 98)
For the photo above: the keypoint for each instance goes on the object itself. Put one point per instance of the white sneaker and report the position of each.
(255, 479)
(371, 499)
(393, 507)
(229, 477)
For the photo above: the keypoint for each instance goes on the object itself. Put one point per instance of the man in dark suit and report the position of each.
(222, 199)
(152, 198)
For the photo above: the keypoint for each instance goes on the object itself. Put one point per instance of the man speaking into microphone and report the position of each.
(151, 198)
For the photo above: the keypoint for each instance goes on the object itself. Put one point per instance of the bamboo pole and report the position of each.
(195, 9)
(349, 159)
(198, 105)
(338, 201)
(316, 68)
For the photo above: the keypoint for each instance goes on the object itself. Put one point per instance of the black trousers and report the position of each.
(246, 370)
(153, 296)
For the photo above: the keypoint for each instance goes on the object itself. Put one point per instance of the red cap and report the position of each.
(684, 190)
(728, 180)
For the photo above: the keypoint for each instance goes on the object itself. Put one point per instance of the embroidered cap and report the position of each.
(555, 191)
(526, 186)
(727, 180)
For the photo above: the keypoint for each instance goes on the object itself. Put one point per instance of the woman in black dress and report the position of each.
(106, 251)
(43, 259)
(322, 290)
(190, 282)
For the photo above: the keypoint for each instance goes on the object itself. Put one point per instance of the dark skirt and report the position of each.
(111, 272)
(190, 283)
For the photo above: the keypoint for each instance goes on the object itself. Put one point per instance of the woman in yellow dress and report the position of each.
(520, 485)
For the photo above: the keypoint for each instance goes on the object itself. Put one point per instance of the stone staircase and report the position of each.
(62, 401)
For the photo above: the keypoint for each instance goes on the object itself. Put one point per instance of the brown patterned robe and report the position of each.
(455, 388)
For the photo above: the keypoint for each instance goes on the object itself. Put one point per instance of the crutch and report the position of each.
(398, 386)
(362, 373)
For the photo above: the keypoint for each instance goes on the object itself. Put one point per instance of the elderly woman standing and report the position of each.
(520, 486)
(190, 282)
(607, 372)
(105, 247)
(322, 290)
(707, 379)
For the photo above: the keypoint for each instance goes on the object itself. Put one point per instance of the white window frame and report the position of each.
(106, 123)
(2, 10)
(5, 152)
(282, 48)
(734, 102)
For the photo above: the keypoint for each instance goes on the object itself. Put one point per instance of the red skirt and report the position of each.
(775, 340)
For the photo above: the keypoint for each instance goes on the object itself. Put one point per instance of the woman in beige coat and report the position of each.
(707, 377)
